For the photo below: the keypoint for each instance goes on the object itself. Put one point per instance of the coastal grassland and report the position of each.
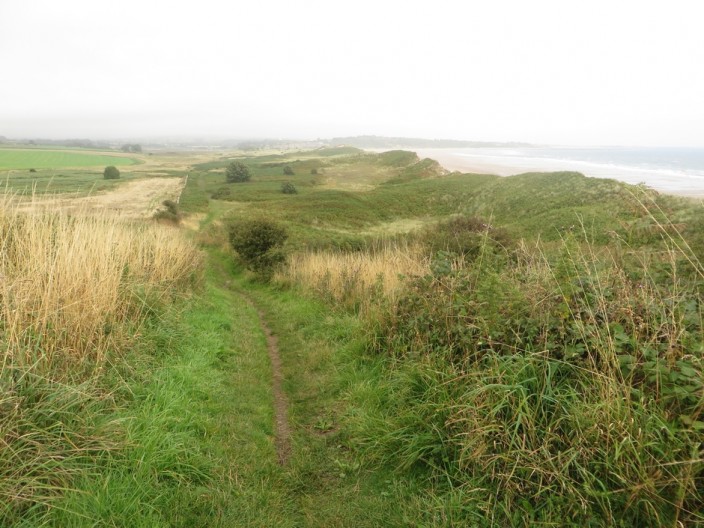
(533, 354)
(402, 189)
(24, 159)
(82, 300)
(532, 384)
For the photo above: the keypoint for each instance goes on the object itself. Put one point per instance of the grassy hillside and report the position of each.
(536, 340)
(456, 350)
(362, 193)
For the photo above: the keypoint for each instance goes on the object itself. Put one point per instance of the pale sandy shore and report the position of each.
(452, 160)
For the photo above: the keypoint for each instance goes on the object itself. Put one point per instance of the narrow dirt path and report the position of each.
(282, 429)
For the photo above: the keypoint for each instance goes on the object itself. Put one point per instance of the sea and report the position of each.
(671, 170)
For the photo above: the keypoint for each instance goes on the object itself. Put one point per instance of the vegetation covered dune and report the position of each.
(540, 365)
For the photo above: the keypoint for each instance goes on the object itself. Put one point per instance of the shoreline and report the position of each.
(453, 161)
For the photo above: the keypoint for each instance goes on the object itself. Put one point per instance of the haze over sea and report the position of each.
(674, 170)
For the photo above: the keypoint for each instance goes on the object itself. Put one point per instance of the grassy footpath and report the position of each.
(323, 365)
(193, 429)
(197, 421)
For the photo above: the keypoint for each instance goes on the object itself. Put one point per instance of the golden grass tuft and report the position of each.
(75, 286)
(360, 277)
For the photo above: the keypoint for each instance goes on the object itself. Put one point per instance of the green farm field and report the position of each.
(19, 159)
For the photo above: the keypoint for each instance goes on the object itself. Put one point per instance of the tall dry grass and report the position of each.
(77, 285)
(74, 291)
(360, 278)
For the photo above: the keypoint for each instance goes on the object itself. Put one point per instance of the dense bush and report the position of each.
(466, 237)
(111, 173)
(259, 243)
(237, 172)
(170, 214)
(288, 171)
(288, 188)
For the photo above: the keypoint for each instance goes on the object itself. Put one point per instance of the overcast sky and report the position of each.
(561, 72)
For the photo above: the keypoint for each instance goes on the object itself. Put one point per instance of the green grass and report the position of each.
(534, 387)
(67, 181)
(189, 423)
(21, 159)
(532, 206)
(185, 437)
(482, 397)
(328, 378)
(59, 171)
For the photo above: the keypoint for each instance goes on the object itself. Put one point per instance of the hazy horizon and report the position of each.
(545, 72)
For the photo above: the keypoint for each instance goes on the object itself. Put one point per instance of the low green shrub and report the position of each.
(467, 237)
(288, 188)
(111, 173)
(563, 390)
(259, 243)
(237, 172)
(170, 214)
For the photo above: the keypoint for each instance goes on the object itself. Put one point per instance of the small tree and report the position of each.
(258, 243)
(288, 171)
(314, 171)
(288, 188)
(111, 173)
(237, 172)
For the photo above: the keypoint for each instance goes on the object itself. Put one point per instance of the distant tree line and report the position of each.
(131, 147)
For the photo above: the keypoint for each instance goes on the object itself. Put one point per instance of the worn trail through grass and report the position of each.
(282, 429)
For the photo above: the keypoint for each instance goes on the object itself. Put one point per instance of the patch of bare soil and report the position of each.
(135, 199)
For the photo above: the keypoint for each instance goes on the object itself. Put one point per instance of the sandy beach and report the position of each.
(479, 161)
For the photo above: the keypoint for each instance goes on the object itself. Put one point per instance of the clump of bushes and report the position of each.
(466, 237)
(32, 170)
(314, 171)
(288, 188)
(288, 171)
(259, 243)
(237, 172)
(171, 214)
(111, 173)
